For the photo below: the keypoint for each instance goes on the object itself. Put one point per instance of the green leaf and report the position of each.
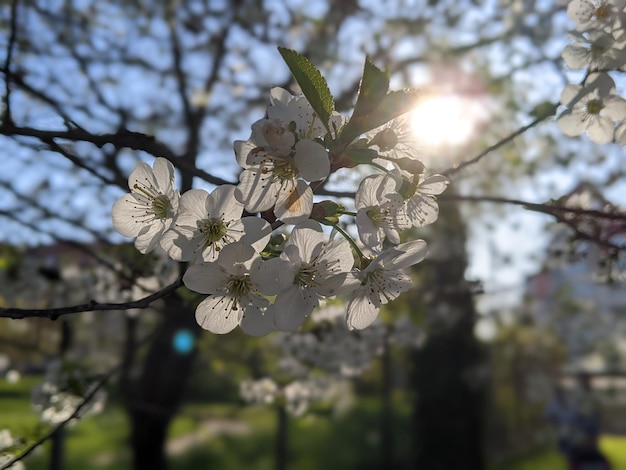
(360, 155)
(374, 86)
(392, 105)
(312, 83)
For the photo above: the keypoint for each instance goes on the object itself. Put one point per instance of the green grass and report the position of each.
(614, 447)
(318, 440)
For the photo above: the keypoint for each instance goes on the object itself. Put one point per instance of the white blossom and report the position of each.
(259, 392)
(234, 298)
(6, 458)
(595, 14)
(396, 142)
(380, 211)
(149, 210)
(280, 157)
(594, 50)
(306, 270)
(381, 282)
(591, 111)
(207, 222)
(421, 208)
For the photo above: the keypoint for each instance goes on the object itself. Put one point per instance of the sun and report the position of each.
(446, 121)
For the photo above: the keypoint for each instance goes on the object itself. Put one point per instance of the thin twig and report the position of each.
(451, 171)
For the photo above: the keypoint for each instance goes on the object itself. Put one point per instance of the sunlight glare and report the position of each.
(445, 121)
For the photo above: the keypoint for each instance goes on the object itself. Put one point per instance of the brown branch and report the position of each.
(7, 117)
(121, 139)
(54, 313)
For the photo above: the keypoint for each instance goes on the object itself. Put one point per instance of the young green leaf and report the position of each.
(392, 105)
(373, 88)
(312, 83)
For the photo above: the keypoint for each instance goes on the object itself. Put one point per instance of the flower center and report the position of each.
(594, 106)
(377, 215)
(213, 229)
(239, 287)
(306, 276)
(161, 206)
(284, 170)
(603, 12)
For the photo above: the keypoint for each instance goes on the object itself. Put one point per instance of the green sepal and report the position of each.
(312, 83)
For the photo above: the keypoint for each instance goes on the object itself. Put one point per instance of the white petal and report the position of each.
(275, 275)
(571, 94)
(571, 123)
(406, 254)
(193, 202)
(257, 190)
(371, 235)
(164, 174)
(222, 204)
(126, 213)
(601, 131)
(238, 259)
(150, 236)
(309, 237)
(205, 278)
(142, 175)
(615, 108)
(361, 312)
(242, 151)
(422, 210)
(434, 185)
(292, 306)
(178, 246)
(257, 322)
(576, 56)
(257, 233)
(294, 204)
(311, 160)
(367, 195)
(215, 314)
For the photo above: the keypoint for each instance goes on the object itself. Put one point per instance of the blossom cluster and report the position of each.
(262, 282)
(598, 47)
(7, 444)
(297, 395)
(58, 398)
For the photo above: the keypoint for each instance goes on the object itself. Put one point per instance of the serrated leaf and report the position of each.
(393, 104)
(374, 86)
(312, 83)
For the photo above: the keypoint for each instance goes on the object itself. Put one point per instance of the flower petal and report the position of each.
(215, 314)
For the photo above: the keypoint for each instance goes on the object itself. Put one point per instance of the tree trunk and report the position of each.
(160, 388)
(448, 369)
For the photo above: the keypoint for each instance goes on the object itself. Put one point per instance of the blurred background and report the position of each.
(514, 302)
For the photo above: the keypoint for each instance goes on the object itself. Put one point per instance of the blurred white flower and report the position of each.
(594, 50)
(6, 458)
(258, 392)
(595, 14)
(590, 111)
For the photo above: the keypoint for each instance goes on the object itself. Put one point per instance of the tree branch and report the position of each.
(54, 313)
